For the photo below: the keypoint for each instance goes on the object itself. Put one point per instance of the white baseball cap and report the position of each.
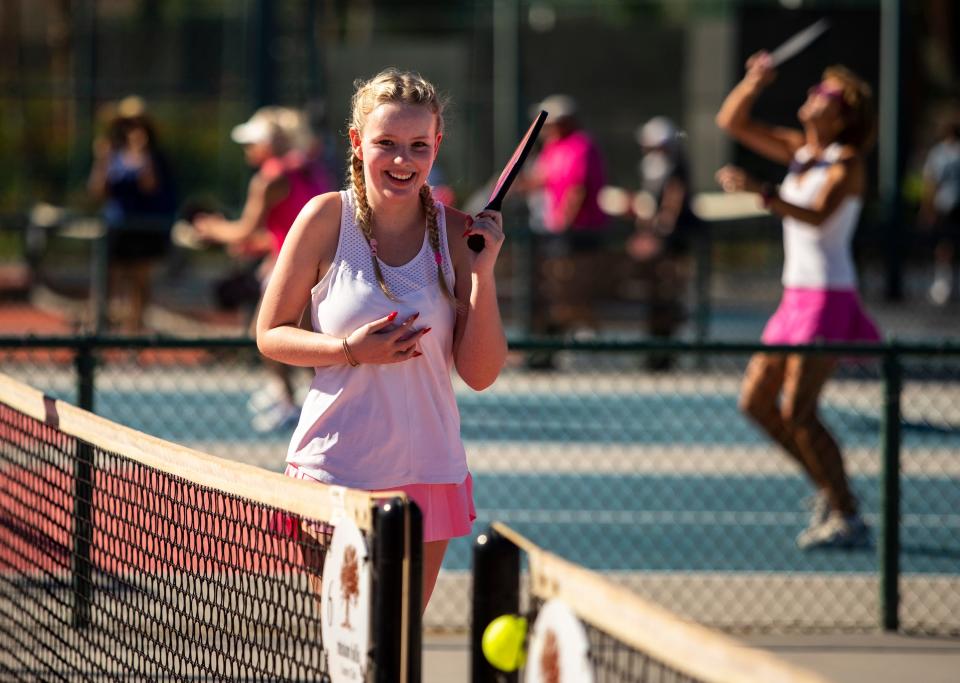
(278, 126)
(557, 107)
(257, 129)
(657, 132)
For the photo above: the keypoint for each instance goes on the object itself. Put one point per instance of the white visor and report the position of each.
(251, 132)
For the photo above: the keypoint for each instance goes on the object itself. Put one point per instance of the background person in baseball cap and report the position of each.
(660, 244)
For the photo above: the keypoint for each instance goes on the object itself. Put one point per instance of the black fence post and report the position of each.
(496, 591)
(703, 267)
(387, 620)
(890, 493)
(83, 493)
(415, 590)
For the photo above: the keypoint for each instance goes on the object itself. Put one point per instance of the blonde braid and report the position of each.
(433, 234)
(364, 216)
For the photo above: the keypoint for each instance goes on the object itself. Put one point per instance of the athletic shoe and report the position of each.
(819, 506)
(279, 416)
(837, 531)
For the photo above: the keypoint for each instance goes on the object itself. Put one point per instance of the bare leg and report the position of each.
(140, 273)
(804, 381)
(313, 551)
(758, 399)
(117, 303)
(433, 553)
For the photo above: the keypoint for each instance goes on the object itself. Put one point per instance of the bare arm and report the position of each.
(262, 195)
(844, 179)
(147, 179)
(572, 203)
(671, 204)
(309, 246)
(529, 181)
(775, 143)
(479, 343)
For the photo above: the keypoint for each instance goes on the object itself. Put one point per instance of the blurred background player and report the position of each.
(820, 202)
(288, 159)
(940, 210)
(569, 172)
(661, 239)
(132, 179)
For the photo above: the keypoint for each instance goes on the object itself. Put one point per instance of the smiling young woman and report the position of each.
(396, 300)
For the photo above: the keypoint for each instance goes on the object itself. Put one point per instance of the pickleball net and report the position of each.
(125, 557)
(630, 639)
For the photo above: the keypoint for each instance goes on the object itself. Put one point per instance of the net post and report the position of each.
(86, 365)
(82, 534)
(397, 538)
(415, 591)
(82, 575)
(890, 493)
(496, 591)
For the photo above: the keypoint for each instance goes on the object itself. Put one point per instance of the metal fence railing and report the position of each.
(655, 478)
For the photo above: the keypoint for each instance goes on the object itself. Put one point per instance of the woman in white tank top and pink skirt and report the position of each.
(397, 301)
(820, 201)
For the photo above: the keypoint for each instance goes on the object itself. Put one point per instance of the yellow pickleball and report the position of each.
(503, 642)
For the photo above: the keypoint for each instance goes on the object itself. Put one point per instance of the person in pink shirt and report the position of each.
(569, 172)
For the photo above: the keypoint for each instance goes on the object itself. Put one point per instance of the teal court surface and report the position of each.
(669, 475)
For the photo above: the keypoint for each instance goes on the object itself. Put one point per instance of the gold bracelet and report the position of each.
(346, 352)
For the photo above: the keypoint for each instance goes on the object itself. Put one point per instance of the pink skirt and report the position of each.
(819, 315)
(447, 509)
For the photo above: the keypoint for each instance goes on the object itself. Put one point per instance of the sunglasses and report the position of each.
(834, 94)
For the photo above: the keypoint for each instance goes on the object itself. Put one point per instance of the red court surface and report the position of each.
(24, 319)
(142, 521)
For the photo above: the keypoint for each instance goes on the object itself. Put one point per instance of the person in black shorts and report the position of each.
(132, 179)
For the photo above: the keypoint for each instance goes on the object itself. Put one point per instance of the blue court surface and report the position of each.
(660, 521)
(684, 523)
(643, 419)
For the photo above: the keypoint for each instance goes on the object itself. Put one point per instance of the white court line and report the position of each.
(691, 518)
(579, 459)
(696, 459)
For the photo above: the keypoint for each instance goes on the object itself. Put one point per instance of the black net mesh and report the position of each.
(613, 661)
(110, 568)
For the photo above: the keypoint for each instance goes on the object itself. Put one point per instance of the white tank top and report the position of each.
(379, 426)
(818, 257)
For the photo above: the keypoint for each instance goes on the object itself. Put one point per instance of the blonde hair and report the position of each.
(400, 87)
(859, 115)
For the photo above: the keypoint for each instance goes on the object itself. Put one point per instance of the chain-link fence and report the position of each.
(657, 478)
